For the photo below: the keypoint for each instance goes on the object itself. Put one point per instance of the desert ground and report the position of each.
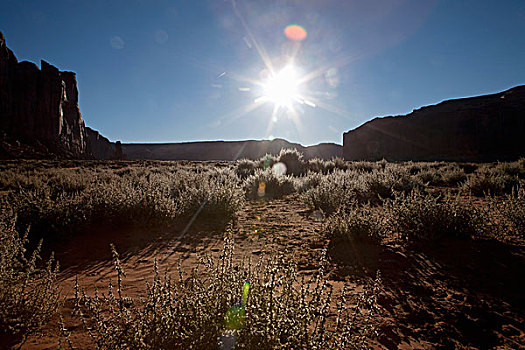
(337, 254)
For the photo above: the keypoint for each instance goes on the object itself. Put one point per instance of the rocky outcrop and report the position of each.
(39, 113)
(224, 150)
(483, 128)
(99, 147)
(40, 105)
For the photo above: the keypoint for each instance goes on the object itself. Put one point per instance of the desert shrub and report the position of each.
(512, 212)
(135, 197)
(418, 217)
(261, 306)
(415, 168)
(512, 169)
(452, 176)
(267, 162)
(344, 188)
(437, 165)
(443, 176)
(334, 191)
(490, 183)
(468, 168)
(245, 168)
(216, 195)
(358, 224)
(15, 179)
(267, 184)
(293, 160)
(381, 184)
(363, 166)
(28, 293)
(309, 181)
(144, 201)
(320, 166)
(54, 215)
(339, 163)
(430, 177)
(315, 165)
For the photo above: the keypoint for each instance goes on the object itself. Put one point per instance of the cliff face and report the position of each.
(39, 113)
(40, 105)
(484, 128)
(98, 146)
(225, 150)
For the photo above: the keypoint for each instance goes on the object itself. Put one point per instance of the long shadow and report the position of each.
(451, 294)
(89, 251)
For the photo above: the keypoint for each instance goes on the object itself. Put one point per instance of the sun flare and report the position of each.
(282, 88)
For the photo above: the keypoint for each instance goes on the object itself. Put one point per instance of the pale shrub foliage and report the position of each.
(419, 217)
(511, 212)
(267, 184)
(293, 160)
(283, 310)
(333, 191)
(342, 189)
(28, 293)
(129, 196)
(356, 225)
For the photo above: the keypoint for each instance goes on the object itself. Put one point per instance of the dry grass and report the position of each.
(28, 289)
(265, 305)
(363, 202)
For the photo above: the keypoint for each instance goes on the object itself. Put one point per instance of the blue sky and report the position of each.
(161, 71)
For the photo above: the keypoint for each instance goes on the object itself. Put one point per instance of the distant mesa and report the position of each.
(225, 150)
(479, 129)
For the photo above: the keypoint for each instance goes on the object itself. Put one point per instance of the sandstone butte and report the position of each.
(477, 129)
(39, 113)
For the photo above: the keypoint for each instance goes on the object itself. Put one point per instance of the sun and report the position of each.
(282, 88)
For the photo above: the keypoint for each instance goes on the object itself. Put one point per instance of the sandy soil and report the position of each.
(455, 294)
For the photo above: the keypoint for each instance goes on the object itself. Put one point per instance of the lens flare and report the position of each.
(261, 190)
(234, 318)
(267, 161)
(279, 169)
(295, 32)
(116, 42)
(245, 292)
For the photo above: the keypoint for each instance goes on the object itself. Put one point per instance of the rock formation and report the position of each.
(98, 146)
(40, 105)
(225, 150)
(39, 113)
(483, 128)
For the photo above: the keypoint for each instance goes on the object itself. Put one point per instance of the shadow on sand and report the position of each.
(455, 293)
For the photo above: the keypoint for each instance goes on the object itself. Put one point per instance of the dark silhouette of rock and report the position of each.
(479, 129)
(98, 146)
(225, 150)
(40, 105)
(118, 150)
(39, 113)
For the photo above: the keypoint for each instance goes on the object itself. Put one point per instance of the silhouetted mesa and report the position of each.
(39, 113)
(479, 129)
(225, 150)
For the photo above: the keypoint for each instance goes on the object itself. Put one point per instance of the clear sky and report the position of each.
(183, 70)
